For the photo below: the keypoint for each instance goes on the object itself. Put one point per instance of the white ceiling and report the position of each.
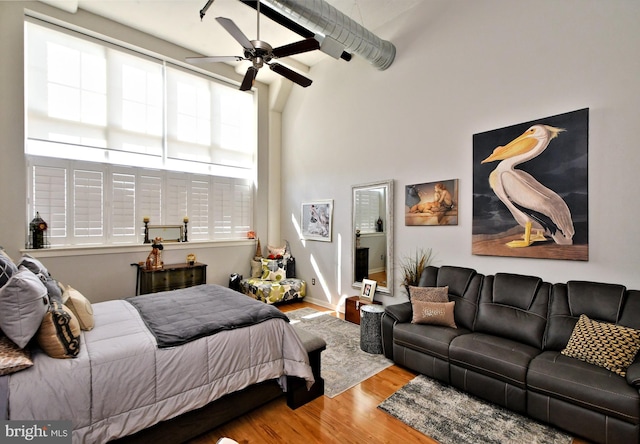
(178, 21)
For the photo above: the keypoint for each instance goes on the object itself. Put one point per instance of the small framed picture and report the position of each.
(368, 289)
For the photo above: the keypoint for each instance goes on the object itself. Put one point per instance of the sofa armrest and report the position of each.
(400, 312)
(633, 374)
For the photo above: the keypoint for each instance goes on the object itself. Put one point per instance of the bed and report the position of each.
(128, 377)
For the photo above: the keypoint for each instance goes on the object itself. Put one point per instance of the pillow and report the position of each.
(80, 307)
(7, 268)
(273, 270)
(276, 251)
(53, 289)
(434, 313)
(34, 265)
(256, 268)
(59, 333)
(429, 294)
(12, 358)
(611, 346)
(23, 303)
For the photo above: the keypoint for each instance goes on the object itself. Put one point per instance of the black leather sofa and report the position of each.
(507, 347)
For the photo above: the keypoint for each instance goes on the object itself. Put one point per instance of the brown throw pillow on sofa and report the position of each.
(611, 346)
(429, 294)
(434, 313)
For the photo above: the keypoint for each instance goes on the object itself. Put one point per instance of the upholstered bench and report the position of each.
(273, 292)
(297, 393)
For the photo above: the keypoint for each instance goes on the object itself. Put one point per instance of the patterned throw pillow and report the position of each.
(276, 251)
(59, 334)
(434, 313)
(611, 346)
(273, 269)
(429, 294)
(256, 267)
(12, 358)
(80, 307)
(7, 268)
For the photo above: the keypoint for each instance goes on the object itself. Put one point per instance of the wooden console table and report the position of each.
(170, 277)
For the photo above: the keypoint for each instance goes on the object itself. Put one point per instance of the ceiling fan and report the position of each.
(260, 53)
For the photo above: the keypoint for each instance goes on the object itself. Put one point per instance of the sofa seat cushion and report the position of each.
(432, 340)
(499, 358)
(585, 385)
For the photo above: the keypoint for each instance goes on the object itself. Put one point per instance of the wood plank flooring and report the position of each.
(350, 418)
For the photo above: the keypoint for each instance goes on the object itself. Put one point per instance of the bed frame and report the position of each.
(196, 422)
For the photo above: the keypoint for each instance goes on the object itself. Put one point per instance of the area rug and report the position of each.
(344, 364)
(451, 416)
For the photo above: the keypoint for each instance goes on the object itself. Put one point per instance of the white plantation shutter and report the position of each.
(151, 198)
(50, 199)
(232, 217)
(199, 209)
(177, 205)
(123, 203)
(88, 205)
(242, 211)
(368, 205)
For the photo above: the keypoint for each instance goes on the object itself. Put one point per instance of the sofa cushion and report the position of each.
(499, 358)
(432, 340)
(514, 307)
(585, 385)
(434, 313)
(607, 345)
(429, 294)
(601, 302)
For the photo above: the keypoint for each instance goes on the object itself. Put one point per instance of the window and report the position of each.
(114, 136)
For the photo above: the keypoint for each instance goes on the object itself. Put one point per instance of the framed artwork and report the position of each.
(530, 189)
(432, 203)
(368, 289)
(316, 220)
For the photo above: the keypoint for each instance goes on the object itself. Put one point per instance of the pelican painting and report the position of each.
(539, 210)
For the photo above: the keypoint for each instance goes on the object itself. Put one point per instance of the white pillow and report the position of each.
(23, 304)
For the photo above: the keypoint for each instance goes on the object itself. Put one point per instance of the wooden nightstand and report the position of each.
(170, 277)
(352, 308)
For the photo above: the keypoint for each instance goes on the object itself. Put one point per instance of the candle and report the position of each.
(145, 219)
(185, 220)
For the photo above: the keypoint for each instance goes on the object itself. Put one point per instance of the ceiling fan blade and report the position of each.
(214, 59)
(235, 32)
(249, 77)
(290, 74)
(296, 48)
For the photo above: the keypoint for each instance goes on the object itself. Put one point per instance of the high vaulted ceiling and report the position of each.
(178, 21)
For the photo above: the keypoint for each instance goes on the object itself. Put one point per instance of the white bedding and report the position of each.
(121, 382)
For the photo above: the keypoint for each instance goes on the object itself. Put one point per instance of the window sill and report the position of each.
(88, 250)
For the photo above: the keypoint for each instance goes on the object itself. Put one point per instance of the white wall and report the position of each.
(461, 68)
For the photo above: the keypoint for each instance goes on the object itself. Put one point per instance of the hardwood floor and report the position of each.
(350, 418)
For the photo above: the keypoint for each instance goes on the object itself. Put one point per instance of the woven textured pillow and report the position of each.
(429, 294)
(12, 357)
(611, 346)
(434, 313)
(273, 270)
(80, 307)
(59, 334)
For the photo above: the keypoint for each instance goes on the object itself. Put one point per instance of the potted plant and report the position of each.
(413, 265)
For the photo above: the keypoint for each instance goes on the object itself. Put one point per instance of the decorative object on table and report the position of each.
(186, 222)
(168, 233)
(411, 267)
(343, 364)
(316, 220)
(38, 233)
(533, 191)
(146, 230)
(450, 416)
(154, 260)
(357, 239)
(433, 203)
(251, 234)
(370, 328)
(191, 258)
(368, 289)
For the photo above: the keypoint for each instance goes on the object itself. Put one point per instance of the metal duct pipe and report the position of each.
(322, 18)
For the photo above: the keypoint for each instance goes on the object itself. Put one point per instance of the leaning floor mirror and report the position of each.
(372, 234)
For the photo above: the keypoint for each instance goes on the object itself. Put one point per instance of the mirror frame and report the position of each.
(388, 184)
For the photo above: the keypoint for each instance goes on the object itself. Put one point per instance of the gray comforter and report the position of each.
(121, 382)
(177, 317)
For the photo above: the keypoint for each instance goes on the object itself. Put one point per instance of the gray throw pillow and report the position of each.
(23, 304)
(34, 265)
